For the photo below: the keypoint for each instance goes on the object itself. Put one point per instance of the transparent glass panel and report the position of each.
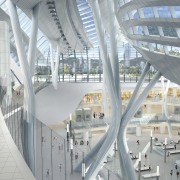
(153, 30)
(148, 12)
(164, 12)
(169, 31)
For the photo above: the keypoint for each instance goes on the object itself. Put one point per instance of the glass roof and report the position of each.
(87, 19)
(43, 43)
(25, 23)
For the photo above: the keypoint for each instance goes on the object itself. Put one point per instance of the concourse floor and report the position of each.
(154, 159)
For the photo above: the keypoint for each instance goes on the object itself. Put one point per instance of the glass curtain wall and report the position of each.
(87, 66)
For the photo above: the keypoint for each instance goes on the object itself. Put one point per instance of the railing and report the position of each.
(54, 157)
(84, 78)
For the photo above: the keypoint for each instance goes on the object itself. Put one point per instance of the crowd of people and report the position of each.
(176, 170)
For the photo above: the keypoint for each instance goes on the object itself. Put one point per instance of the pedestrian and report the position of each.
(81, 142)
(137, 142)
(149, 168)
(171, 173)
(145, 156)
(94, 115)
(47, 173)
(154, 128)
(177, 174)
(60, 167)
(76, 156)
(175, 146)
(176, 166)
(87, 143)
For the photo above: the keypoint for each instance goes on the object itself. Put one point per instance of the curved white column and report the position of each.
(33, 39)
(129, 106)
(107, 66)
(164, 104)
(28, 87)
(55, 79)
(130, 172)
(54, 65)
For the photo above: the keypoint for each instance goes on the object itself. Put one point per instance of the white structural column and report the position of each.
(113, 130)
(33, 39)
(28, 87)
(115, 67)
(54, 65)
(122, 136)
(51, 57)
(113, 46)
(56, 68)
(164, 104)
(52, 61)
(5, 72)
(130, 105)
(137, 88)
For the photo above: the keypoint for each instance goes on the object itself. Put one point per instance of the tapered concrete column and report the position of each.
(51, 58)
(138, 130)
(55, 73)
(164, 104)
(54, 65)
(137, 88)
(162, 128)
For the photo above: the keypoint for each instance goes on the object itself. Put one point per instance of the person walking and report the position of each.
(149, 168)
(145, 156)
(94, 115)
(171, 173)
(177, 173)
(137, 142)
(176, 166)
(60, 167)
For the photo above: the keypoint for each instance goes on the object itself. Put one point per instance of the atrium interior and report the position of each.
(89, 89)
